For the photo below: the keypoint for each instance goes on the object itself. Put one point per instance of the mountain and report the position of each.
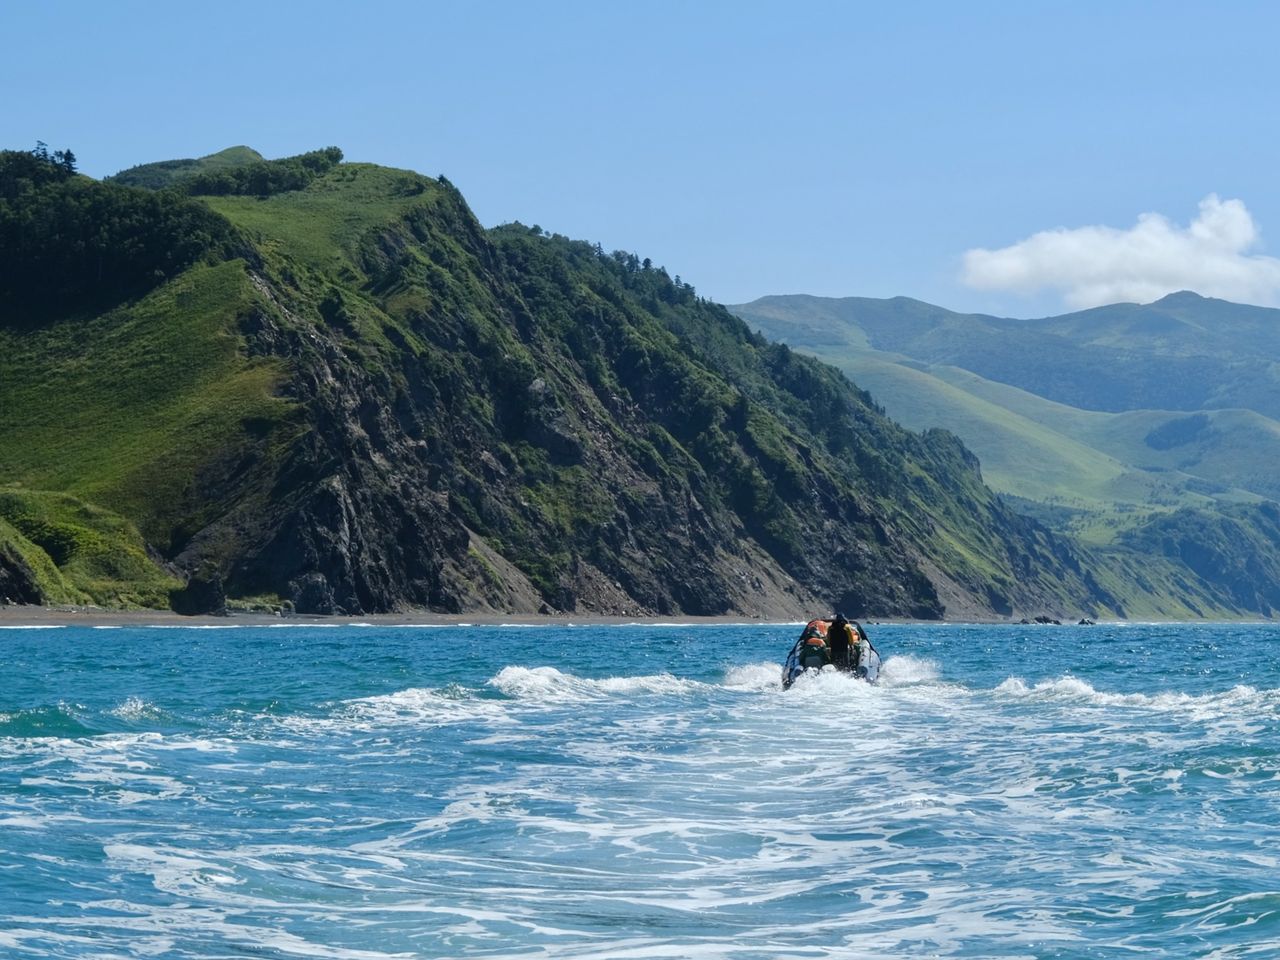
(324, 384)
(1108, 424)
(1184, 352)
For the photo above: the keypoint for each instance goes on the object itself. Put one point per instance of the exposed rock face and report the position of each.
(17, 580)
(203, 594)
(612, 465)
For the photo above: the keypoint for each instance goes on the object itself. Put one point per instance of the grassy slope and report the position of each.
(161, 389)
(1234, 448)
(315, 237)
(323, 224)
(163, 397)
(52, 585)
(1230, 448)
(81, 553)
(1018, 456)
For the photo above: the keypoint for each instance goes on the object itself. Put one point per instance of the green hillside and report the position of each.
(55, 548)
(130, 409)
(327, 384)
(1018, 455)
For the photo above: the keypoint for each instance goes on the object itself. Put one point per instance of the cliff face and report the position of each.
(435, 415)
(18, 582)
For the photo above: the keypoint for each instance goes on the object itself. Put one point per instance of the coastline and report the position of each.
(30, 615)
(20, 615)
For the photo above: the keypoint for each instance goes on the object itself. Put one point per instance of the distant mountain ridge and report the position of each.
(1213, 354)
(1101, 422)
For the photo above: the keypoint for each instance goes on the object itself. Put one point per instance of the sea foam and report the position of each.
(548, 684)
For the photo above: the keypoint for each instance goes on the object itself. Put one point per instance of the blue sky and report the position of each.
(753, 148)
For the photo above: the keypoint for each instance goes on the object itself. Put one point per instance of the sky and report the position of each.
(1011, 158)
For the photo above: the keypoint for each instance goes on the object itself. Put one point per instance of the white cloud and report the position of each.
(1096, 265)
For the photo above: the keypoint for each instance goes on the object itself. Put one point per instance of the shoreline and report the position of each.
(19, 615)
(30, 615)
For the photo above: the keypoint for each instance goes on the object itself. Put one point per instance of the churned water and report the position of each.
(638, 792)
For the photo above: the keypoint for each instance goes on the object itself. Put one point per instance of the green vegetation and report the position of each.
(325, 226)
(327, 384)
(262, 178)
(236, 171)
(81, 553)
(71, 244)
(157, 176)
(131, 409)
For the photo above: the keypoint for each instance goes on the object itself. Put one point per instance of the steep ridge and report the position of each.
(350, 396)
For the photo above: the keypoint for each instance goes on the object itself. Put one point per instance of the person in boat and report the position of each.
(813, 651)
(843, 643)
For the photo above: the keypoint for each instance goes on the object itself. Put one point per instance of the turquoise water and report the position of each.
(638, 792)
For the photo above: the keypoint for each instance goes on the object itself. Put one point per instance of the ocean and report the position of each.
(638, 791)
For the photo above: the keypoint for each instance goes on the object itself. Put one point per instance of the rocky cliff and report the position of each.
(383, 406)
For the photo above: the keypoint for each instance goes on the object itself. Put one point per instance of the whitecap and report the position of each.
(905, 669)
(829, 682)
(548, 684)
(1070, 688)
(415, 706)
(134, 708)
(754, 676)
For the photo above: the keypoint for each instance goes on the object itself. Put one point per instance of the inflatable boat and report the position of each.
(819, 647)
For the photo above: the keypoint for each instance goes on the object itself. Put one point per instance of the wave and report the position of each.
(308, 626)
(61, 720)
(135, 708)
(754, 676)
(192, 626)
(550, 685)
(73, 720)
(414, 706)
(899, 671)
(906, 670)
(1075, 690)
